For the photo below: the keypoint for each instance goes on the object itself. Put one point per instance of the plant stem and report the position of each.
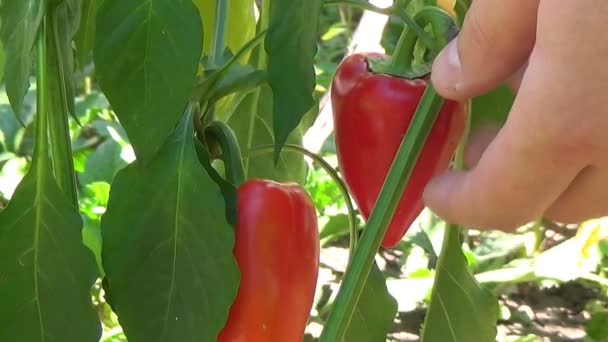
(231, 153)
(41, 145)
(404, 51)
(354, 236)
(221, 26)
(452, 231)
(539, 234)
(59, 131)
(384, 209)
(261, 65)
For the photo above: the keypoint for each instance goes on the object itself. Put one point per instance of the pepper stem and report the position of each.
(219, 133)
(352, 215)
(358, 270)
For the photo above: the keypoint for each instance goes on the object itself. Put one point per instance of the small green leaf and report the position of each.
(291, 47)
(336, 226)
(20, 22)
(375, 311)
(458, 302)
(46, 272)
(239, 78)
(147, 54)
(491, 108)
(167, 248)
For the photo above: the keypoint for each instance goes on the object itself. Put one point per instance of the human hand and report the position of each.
(551, 156)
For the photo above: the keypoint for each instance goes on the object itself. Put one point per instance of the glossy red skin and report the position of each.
(277, 250)
(371, 115)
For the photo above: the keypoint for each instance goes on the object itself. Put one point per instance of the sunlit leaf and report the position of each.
(458, 302)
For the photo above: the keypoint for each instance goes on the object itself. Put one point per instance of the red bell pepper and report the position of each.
(277, 250)
(372, 113)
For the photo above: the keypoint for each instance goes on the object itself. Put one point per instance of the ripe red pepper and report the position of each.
(372, 113)
(277, 250)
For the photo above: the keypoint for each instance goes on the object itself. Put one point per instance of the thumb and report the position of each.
(495, 41)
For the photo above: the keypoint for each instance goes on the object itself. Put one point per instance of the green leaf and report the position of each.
(375, 311)
(46, 272)
(20, 22)
(67, 18)
(239, 78)
(146, 55)
(291, 47)
(458, 302)
(336, 226)
(597, 326)
(253, 127)
(167, 248)
(104, 163)
(10, 129)
(2, 61)
(85, 37)
(228, 190)
(491, 108)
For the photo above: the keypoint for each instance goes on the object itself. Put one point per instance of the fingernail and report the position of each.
(447, 70)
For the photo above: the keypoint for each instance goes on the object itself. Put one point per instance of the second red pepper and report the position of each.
(372, 113)
(277, 250)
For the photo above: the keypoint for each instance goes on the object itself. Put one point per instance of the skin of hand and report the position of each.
(551, 157)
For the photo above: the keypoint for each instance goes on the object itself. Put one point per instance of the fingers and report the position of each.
(495, 40)
(522, 171)
(585, 198)
(478, 143)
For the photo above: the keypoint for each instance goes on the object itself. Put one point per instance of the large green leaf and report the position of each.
(167, 248)
(375, 311)
(460, 309)
(253, 127)
(147, 54)
(20, 21)
(291, 47)
(46, 272)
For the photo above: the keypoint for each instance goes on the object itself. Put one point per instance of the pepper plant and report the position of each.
(209, 234)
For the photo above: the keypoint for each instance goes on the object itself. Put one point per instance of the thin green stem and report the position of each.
(452, 231)
(231, 153)
(205, 89)
(221, 26)
(354, 236)
(459, 155)
(392, 190)
(539, 234)
(59, 131)
(441, 23)
(261, 65)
